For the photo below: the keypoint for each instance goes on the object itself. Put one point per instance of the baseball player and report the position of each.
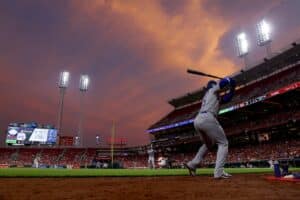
(36, 162)
(209, 129)
(151, 161)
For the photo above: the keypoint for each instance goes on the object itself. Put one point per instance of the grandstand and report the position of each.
(136, 157)
(261, 122)
(70, 157)
(265, 109)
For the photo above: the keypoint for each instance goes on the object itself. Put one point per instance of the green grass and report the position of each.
(31, 172)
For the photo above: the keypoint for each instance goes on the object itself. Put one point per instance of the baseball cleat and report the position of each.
(192, 171)
(226, 174)
(222, 177)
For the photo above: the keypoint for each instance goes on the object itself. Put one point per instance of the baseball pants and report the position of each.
(151, 163)
(211, 133)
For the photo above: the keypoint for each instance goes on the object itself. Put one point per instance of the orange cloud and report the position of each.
(189, 38)
(136, 53)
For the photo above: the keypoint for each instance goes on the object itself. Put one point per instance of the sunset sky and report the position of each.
(136, 53)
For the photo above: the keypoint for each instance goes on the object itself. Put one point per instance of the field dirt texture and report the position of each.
(243, 186)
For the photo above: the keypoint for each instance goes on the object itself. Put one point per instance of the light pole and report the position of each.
(264, 36)
(63, 83)
(76, 141)
(243, 47)
(97, 140)
(83, 87)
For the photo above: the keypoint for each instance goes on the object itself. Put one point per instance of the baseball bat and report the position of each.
(192, 71)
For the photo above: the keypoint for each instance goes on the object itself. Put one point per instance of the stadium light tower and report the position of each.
(63, 83)
(76, 141)
(83, 87)
(97, 140)
(242, 47)
(264, 35)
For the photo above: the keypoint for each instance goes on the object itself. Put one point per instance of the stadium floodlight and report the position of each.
(263, 33)
(83, 87)
(63, 83)
(64, 79)
(97, 140)
(77, 141)
(242, 44)
(84, 82)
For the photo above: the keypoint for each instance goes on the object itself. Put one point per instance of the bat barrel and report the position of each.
(191, 71)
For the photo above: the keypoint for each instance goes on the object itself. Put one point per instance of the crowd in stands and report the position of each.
(279, 150)
(133, 161)
(24, 156)
(6, 155)
(268, 121)
(264, 151)
(266, 85)
(256, 89)
(50, 157)
(80, 157)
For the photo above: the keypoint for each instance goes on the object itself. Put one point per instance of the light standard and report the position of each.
(83, 87)
(243, 47)
(63, 83)
(76, 141)
(97, 140)
(264, 36)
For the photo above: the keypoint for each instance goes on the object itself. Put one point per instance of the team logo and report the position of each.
(12, 132)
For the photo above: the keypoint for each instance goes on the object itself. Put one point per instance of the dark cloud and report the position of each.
(237, 11)
(174, 7)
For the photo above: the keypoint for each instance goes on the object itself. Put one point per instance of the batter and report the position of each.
(209, 129)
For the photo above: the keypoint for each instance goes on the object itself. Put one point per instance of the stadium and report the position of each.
(263, 115)
(261, 121)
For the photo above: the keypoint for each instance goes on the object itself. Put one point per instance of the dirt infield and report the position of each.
(201, 187)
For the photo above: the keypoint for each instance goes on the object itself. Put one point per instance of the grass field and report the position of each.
(31, 172)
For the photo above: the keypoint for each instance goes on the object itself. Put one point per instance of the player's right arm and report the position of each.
(226, 85)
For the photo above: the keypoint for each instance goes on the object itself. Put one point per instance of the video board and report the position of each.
(29, 135)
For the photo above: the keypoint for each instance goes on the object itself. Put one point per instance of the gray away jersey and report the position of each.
(150, 152)
(210, 101)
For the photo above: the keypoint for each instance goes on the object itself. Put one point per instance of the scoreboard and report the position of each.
(30, 134)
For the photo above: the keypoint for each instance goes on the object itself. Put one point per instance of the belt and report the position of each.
(209, 112)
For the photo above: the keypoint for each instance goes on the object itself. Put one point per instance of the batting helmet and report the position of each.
(210, 84)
